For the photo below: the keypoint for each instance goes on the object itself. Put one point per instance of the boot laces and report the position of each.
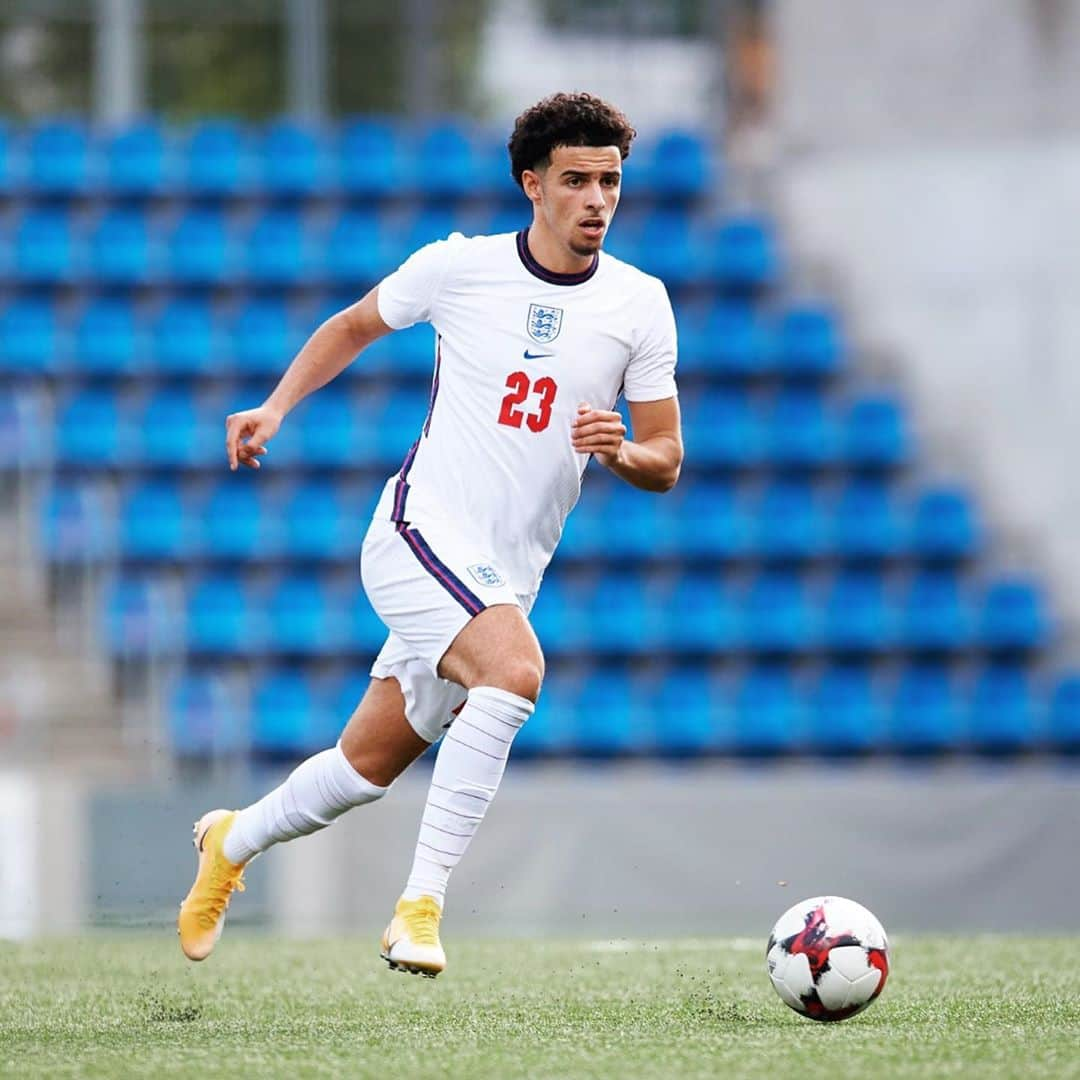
(423, 922)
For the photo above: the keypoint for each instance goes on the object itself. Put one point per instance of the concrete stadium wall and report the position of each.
(930, 154)
(603, 852)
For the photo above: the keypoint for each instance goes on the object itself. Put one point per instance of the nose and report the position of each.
(594, 197)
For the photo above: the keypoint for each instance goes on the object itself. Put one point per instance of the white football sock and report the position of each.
(315, 793)
(467, 772)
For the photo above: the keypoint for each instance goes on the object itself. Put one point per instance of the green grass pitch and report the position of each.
(132, 1006)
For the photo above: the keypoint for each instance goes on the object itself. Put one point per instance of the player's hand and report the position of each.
(597, 432)
(246, 435)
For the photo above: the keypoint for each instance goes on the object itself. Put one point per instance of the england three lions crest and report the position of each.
(544, 323)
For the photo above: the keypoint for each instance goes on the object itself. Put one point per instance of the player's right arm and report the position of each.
(327, 353)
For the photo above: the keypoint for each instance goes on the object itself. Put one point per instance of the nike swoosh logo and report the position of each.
(537, 355)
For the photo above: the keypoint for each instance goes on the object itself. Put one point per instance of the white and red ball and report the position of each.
(828, 958)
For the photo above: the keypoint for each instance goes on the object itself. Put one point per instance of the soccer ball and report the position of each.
(828, 958)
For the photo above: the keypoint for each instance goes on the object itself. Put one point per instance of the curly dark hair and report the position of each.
(566, 120)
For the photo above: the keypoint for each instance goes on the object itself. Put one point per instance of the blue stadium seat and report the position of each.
(135, 619)
(637, 525)
(865, 523)
(400, 422)
(610, 717)
(678, 166)
(44, 249)
(156, 523)
(25, 432)
(320, 523)
(924, 716)
(73, 526)
(357, 249)
(723, 428)
(1063, 728)
(411, 351)
(875, 432)
(185, 338)
(277, 249)
(136, 160)
(669, 247)
(733, 340)
(810, 341)
(283, 715)
(264, 337)
(303, 616)
(944, 525)
(768, 712)
(120, 248)
(1001, 713)
(218, 158)
(788, 521)
(712, 520)
(495, 181)
(552, 728)
(1013, 616)
(91, 430)
(559, 617)
(171, 431)
(106, 339)
(845, 714)
(744, 254)
(697, 614)
(365, 632)
(237, 526)
(444, 165)
(507, 219)
(28, 337)
(59, 158)
(372, 159)
(9, 161)
(292, 161)
(619, 615)
(691, 715)
(776, 615)
(200, 249)
(857, 613)
(935, 614)
(429, 224)
(801, 430)
(224, 618)
(342, 693)
(336, 429)
(204, 717)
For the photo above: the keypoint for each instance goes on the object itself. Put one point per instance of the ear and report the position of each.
(532, 184)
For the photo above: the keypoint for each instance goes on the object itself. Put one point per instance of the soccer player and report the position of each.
(537, 334)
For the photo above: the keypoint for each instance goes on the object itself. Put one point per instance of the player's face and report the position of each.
(576, 195)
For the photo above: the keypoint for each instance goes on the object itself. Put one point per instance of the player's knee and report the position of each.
(522, 677)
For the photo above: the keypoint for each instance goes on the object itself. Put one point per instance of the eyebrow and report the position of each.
(585, 172)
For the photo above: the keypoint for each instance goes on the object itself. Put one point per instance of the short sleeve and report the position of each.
(650, 375)
(410, 294)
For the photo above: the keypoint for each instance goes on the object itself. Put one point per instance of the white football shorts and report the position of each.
(425, 582)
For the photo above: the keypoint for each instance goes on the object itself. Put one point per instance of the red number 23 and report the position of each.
(518, 385)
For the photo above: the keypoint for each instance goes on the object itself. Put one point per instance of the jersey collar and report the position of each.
(550, 276)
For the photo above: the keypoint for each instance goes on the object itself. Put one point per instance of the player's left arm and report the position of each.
(652, 459)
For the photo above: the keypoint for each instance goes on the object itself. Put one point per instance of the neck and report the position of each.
(552, 255)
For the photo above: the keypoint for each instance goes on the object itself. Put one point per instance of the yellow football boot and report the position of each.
(411, 941)
(202, 914)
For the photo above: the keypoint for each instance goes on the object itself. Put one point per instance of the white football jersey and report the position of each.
(518, 348)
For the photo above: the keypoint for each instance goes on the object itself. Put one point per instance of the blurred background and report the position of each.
(840, 657)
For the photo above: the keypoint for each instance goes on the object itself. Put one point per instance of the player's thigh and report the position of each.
(497, 647)
(378, 741)
(429, 581)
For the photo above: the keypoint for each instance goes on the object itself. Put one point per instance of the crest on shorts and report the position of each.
(544, 323)
(486, 575)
